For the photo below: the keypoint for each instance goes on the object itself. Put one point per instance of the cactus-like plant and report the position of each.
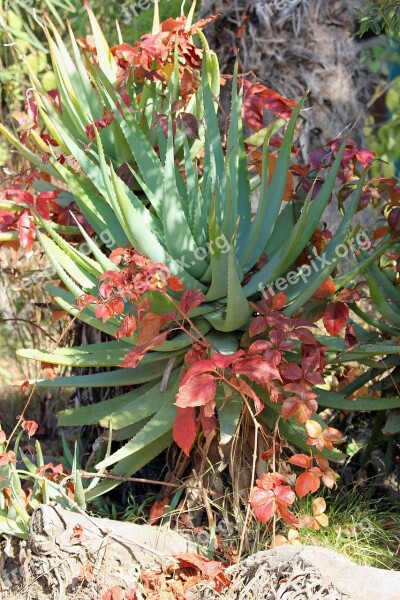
(146, 162)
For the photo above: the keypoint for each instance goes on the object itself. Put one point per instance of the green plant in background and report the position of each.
(27, 483)
(381, 15)
(383, 138)
(21, 32)
(384, 17)
(150, 168)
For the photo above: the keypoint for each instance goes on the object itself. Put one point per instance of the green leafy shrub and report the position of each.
(381, 16)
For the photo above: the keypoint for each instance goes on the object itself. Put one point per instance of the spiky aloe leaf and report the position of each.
(104, 55)
(96, 210)
(305, 288)
(178, 236)
(230, 405)
(238, 168)
(104, 354)
(32, 158)
(142, 374)
(77, 279)
(151, 448)
(87, 264)
(271, 196)
(338, 402)
(237, 311)
(103, 261)
(102, 411)
(158, 426)
(143, 405)
(301, 233)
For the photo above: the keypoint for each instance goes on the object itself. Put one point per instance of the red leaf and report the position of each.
(287, 516)
(86, 300)
(190, 125)
(335, 317)
(394, 219)
(258, 325)
(149, 327)
(349, 295)
(278, 301)
(7, 457)
(300, 460)
(117, 255)
(134, 356)
(157, 510)
(175, 284)
(263, 504)
(55, 98)
(42, 207)
(248, 391)
(209, 422)
(184, 431)
(198, 391)
(116, 305)
(271, 496)
(31, 106)
(256, 369)
(30, 427)
(256, 98)
(104, 311)
(57, 469)
(26, 230)
(326, 290)
(202, 366)
(350, 336)
(114, 593)
(365, 157)
(195, 355)
(49, 371)
(303, 405)
(189, 83)
(211, 570)
(127, 327)
(223, 361)
(190, 300)
(321, 439)
(23, 387)
(307, 483)
(42, 202)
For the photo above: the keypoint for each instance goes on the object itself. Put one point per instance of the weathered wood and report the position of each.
(304, 572)
(71, 554)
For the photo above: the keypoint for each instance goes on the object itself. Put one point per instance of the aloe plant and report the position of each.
(192, 214)
(383, 376)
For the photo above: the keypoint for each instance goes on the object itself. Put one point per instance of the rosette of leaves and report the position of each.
(186, 205)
